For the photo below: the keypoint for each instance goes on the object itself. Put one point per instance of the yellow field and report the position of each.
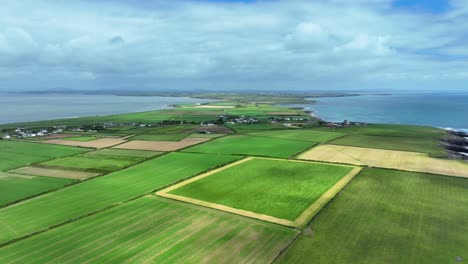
(56, 173)
(392, 159)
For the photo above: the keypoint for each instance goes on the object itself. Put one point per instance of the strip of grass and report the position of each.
(283, 189)
(89, 196)
(424, 145)
(160, 137)
(16, 187)
(125, 153)
(392, 130)
(387, 216)
(255, 146)
(14, 154)
(81, 138)
(154, 230)
(300, 134)
(96, 163)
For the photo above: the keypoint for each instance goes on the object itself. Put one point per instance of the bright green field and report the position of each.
(154, 230)
(278, 188)
(391, 130)
(160, 137)
(255, 127)
(386, 216)
(15, 154)
(424, 145)
(95, 163)
(125, 153)
(15, 187)
(101, 192)
(255, 146)
(300, 134)
(81, 138)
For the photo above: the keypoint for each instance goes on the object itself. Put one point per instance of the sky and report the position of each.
(329, 45)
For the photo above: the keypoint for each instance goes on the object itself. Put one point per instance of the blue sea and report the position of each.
(34, 107)
(444, 110)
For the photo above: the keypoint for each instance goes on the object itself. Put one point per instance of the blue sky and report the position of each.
(234, 44)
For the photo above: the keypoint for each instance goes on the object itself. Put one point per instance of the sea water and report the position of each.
(34, 107)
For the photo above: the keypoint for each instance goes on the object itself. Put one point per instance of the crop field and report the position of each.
(15, 186)
(89, 196)
(401, 160)
(386, 216)
(251, 145)
(300, 134)
(15, 154)
(425, 145)
(391, 130)
(154, 230)
(92, 163)
(278, 188)
(53, 172)
(161, 145)
(81, 138)
(160, 137)
(124, 153)
(98, 143)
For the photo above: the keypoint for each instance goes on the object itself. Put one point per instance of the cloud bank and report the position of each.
(329, 45)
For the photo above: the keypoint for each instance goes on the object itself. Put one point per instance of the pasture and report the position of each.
(299, 134)
(281, 189)
(92, 163)
(251, 145)
(161, 145)
(90, 196)
(160, 137)
(16, 187)
(53, 172)
(392, 159)
(15, 154)
(387, 216)
(154, 230)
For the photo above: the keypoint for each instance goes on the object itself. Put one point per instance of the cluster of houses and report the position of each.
(26, 133)
(345, 123)
(231, 120)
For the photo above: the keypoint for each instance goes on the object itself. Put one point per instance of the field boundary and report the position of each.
(300, 221)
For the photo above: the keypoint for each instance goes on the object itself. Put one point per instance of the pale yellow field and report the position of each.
(98, 143)
(56, 173)
(161, 145)
(392, 159)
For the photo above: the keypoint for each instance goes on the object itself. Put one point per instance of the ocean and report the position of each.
(444, 110)
(34, 107)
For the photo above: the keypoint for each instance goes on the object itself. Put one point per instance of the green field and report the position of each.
(15, 186)
(283, 189)
(387, 216)
(391, 130)
(154, 230)
(15, 154)
(160, 137)
(300, 134)
(255, 146)
(96, 194)
(93, 163)
(424, 145)
(240, 128)
(81, 138)
(125, 153)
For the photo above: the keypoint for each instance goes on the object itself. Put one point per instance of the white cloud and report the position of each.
(194, 44)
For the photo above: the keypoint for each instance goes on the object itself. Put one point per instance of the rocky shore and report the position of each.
(456, 144)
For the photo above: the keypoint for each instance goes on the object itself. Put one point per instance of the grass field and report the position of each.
(154, 230)
(124, 153)
(300, 134)
(94, 163)
(423, 144)
(54, 172)
(81, 138)
(278, 188)
(240, 128)
(15, 186)
(89, 196)
(401, 160)
(386, 216)
(15, 154)
(391, 130)
(160, 137)
(251, 145)
(161, 145)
